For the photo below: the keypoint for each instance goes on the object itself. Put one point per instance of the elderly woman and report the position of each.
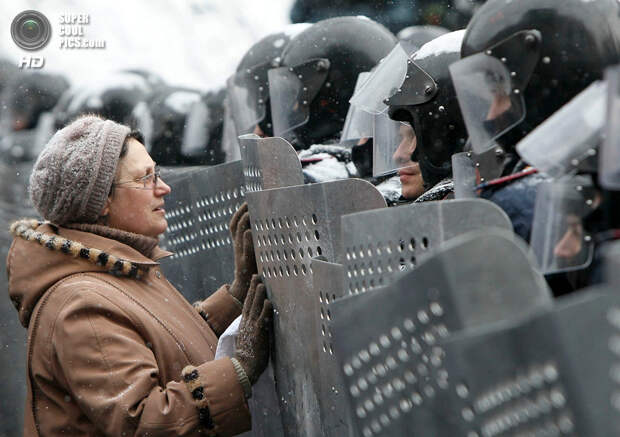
(113, 347)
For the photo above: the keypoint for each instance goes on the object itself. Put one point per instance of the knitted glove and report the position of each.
(245, 260)
(252, 345)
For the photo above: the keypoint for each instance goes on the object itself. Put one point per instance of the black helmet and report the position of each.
(248, 88)
(114, 97)
(523, 60)
(416, 87)
(420, 35)
(168, 109)
(27, 95)
(310, 92)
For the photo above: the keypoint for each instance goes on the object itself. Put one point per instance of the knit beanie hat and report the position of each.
(73, 174)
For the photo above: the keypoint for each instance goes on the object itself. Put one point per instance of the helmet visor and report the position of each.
(383, 82)
(559, 239)
(248, 91)
(489, 103)
(291, 90)
(610, 151)
(358, 123)
(567, 141)
(393, 144)
(196, 132)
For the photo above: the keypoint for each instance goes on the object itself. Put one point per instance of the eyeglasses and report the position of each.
(148, 181)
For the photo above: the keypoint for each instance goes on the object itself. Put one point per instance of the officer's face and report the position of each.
(410, 176)
(131, 207)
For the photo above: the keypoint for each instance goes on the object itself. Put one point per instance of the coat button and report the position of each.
(158, 274)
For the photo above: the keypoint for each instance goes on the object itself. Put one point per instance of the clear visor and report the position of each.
(248, 92)
(358, 123)
(609, 163)
(144, 122)
(383, 82)
(393, 144)
(567, 140)
(489, 103)
(559, 239)
(230, 141)
(196, 132)
(291, 91)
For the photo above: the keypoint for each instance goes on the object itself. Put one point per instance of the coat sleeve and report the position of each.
(114, 377)
(219, 310)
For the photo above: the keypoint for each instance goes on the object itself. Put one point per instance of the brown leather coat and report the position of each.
(113, 352)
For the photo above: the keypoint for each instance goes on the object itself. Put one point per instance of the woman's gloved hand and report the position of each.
(245, 260)
(252, 345)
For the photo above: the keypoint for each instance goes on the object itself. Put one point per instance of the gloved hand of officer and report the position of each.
(245, 260)
(252, 344)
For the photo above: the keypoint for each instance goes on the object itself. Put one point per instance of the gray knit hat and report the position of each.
(73, 174)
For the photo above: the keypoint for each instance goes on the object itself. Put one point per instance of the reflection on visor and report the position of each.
(358, 123)
(393, 144)
(383, 83)
(248, 91)
(196, 133)
(489, 104)
(564, 142)
(610, 154)
(559, 240)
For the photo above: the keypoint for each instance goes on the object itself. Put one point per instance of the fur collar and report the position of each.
(26, 229)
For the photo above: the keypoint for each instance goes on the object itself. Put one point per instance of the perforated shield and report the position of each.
(378, 245)
(387, 341)
(555, 373)
(269, 163)
(290, 226)
(328, 285)
(198, 211)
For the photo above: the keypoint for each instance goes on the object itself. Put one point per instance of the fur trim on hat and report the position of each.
(26, 229)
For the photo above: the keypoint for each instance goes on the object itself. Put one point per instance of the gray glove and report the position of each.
(252, 344)
(245, 260)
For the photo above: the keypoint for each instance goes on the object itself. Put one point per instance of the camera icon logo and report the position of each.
(31, 30)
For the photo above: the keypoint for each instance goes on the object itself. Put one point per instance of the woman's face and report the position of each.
(131, 207)
(410, 176)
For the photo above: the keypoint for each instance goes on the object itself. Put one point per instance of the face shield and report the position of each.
(567, 142)
(291, 91)
(559, 240)
(196, 132)
(358, 123)
(609, 163)
(393, 144)
(397, 80)
(248, 92)
(144, 123)
(490, 85)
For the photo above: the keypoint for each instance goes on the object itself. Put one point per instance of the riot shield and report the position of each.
(290, 226)
(328, 285)
(555, 373)
(378, 245)
(387, 341)
(463, 176)
(198, 211)
(269, 163)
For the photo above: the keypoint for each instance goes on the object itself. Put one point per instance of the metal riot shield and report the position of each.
(378, 245)
(198, 211)
(387, 341)
(328, 285)
(269, 163)
(551, 374)
(289, 227)
(463, 176)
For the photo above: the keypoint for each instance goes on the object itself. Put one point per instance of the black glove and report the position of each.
(252, 344)
(245, 260)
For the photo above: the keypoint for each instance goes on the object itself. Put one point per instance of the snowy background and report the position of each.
(195, 43)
